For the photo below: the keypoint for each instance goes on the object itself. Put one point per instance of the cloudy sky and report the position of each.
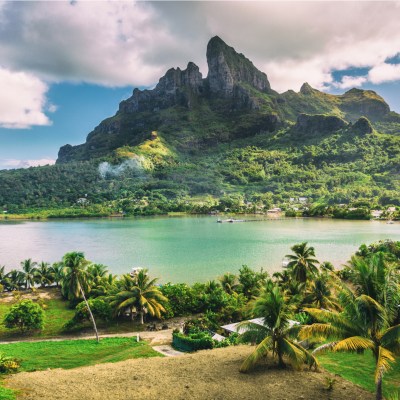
(65, 65)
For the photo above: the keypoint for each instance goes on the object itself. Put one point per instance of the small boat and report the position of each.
(230, 220)
(390, 222)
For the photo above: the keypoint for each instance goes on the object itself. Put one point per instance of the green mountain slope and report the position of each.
(229, 135)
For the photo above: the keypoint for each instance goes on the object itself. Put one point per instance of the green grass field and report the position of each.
(57, 313)
(68, 354)
(360, 369)
(36, 356)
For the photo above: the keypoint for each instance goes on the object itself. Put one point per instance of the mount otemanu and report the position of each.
(228, 137)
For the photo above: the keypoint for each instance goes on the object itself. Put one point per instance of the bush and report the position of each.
(8, 364)
(182, 299)
(100, 310)
(192, 342)
(25, 315)
(231, 340)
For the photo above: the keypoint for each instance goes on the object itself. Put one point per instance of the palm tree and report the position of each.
(103, 286)
(302, 264)
(276, 307)
(28, 270)
(229, 283)
(319, 294)
(44, 275)
(14, 280)
(124, 296)
(3, 280)
(139, 293)
(57, 270)
(364, 324)
(75, 280)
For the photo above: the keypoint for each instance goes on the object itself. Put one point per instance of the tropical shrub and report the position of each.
(100, 310)
(182, 299)
(25, 315)
(193, 342)
(8, 364)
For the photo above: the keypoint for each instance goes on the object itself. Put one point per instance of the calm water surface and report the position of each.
(186, 249)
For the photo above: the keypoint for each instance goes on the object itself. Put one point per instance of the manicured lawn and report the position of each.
(75, 353)
(360, 369)
(57, 313)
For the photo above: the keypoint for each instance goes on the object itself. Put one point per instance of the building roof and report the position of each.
(234, 328)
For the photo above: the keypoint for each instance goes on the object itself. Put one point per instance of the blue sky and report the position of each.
(65, 66)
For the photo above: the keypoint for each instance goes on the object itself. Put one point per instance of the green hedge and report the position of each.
(193, 342)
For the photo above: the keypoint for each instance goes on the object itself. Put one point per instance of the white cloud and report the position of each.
(14, 163)
(120, 43)
(384, 73)
(22, 100)
(348, 82)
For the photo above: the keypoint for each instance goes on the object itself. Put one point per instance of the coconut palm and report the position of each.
(357, 329)
(57, 270)
(124, 296)
(75, 281)
(276, 308)
(3, 275)
(229, 283)
(44, 275)
(302, 264)
(14, 280)
(138, 293)
(103, 286)
(319, 293)
(28, 271)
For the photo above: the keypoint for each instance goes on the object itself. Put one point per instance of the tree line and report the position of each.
(307, 308)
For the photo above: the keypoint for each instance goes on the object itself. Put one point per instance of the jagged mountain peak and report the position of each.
(306, 89)
(228, 68)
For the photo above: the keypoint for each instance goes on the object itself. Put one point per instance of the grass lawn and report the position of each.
(75, 353)
(360, 369)
(67, 354)
(57, 314)
(6, 394)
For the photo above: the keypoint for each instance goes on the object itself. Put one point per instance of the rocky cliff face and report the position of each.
(227, 69)
(235, 100)
(310, 124)
(357, 102)
(175, 87)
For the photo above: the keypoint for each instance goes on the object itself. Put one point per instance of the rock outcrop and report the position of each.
(362, 126)
(319, 124)
(357, 102)
(175, 87)
(227, 69)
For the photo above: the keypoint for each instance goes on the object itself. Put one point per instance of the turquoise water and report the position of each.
(186, 249)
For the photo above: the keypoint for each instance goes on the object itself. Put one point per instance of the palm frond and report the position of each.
(391, 337)
(260, 351)
(321, 330)
(385, 358)
(295, 355)
(354, 343)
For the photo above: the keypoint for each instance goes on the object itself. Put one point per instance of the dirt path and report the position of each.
(153, 337)
(206, 375)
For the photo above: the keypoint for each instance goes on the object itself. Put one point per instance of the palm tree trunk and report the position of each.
(90, 313)
(379, 389)
(141, 317)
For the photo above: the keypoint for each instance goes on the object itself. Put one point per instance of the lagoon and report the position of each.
(186, 249)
